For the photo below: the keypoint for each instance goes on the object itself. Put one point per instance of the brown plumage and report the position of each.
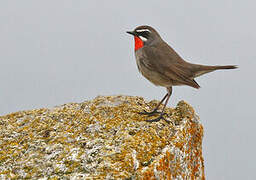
(162, 66)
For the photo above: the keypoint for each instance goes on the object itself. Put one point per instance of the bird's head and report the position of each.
(144, 35)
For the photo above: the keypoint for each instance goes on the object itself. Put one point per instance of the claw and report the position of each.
(158, 119)
(155, 120)
(149, 113)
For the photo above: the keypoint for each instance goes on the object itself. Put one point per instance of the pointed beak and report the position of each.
(132, 33)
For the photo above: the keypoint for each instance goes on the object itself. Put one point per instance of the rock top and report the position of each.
(104, 138)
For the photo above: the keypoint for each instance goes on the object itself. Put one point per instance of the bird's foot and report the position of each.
(158, 119)
(151, 113)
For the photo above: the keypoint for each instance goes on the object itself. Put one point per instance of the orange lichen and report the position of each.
(105, 137)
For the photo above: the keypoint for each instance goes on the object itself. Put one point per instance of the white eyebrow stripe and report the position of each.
(142, 30)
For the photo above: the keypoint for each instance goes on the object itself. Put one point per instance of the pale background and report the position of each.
(56, 52)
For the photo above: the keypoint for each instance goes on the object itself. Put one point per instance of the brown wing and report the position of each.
(167, 62)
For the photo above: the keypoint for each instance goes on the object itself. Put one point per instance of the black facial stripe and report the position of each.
(144, 34)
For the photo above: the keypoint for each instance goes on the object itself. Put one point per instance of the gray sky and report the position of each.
(55, 52)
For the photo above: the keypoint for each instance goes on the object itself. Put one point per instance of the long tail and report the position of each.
(223, 67)
(201, 69)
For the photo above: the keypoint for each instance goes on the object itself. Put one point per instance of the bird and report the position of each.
(163, 66)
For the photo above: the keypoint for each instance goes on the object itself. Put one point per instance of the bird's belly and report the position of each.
(153, 76)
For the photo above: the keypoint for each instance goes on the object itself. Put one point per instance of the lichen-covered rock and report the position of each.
(104, 138)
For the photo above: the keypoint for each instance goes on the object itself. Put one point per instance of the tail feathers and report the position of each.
(206, 69)
(223, 67)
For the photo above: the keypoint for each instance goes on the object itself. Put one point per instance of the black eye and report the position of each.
(144, 34)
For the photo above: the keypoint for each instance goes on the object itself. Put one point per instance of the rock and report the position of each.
(104, 138)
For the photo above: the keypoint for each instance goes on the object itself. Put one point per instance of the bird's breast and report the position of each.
(147, 69)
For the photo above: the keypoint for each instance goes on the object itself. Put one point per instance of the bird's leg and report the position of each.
(151, 113)
(162, 113)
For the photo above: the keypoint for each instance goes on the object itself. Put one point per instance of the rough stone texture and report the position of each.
(104, 138)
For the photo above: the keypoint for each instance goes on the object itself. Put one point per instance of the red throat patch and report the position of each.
(138, 43)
